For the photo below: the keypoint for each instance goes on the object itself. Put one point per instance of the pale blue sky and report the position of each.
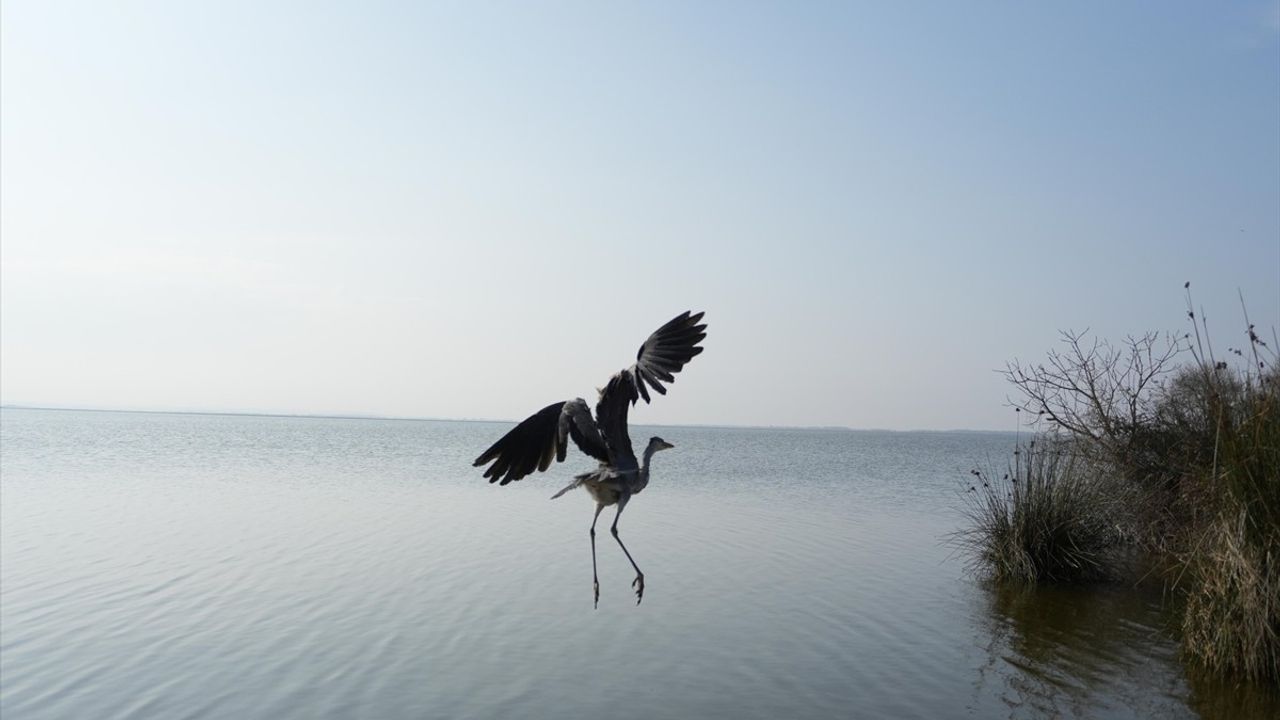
(474, 209)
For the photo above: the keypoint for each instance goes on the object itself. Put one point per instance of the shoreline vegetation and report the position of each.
(1152, 459)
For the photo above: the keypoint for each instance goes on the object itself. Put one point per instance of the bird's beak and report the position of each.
(666, 445)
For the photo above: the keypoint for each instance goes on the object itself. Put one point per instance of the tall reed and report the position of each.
(1230, 564)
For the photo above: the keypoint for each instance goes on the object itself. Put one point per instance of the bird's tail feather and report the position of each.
(576, 482)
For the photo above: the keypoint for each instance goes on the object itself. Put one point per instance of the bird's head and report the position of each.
(657, 443)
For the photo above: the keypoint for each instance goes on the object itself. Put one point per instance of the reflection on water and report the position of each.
(1216, 698)
(1068, 643)
(161, 566)
(1099, 652)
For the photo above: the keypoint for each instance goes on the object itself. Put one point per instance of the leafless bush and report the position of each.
(1188, 451)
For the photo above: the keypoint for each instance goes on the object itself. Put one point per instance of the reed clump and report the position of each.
(1152, 446)
(1050, 517)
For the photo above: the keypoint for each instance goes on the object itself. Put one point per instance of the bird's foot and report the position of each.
(638, 584)
(596, 583)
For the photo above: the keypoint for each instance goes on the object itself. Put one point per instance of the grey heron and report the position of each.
(531, 445)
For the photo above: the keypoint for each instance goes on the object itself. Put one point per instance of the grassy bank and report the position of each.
(1154, 448)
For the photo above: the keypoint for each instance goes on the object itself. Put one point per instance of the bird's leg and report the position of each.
(638, 583)
(595, 579)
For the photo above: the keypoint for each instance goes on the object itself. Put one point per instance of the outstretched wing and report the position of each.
(531, 445)
(666, 352)
(661, 356)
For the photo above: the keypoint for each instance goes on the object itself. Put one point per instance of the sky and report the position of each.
(471, 210)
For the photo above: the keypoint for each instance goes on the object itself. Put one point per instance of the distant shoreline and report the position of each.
(307, 416)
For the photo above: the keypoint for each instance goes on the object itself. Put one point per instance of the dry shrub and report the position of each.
(1182, 460)
(1232, 573)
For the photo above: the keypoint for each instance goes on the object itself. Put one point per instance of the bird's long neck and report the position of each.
(644, 464)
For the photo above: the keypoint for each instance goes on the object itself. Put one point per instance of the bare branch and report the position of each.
(1092, 389)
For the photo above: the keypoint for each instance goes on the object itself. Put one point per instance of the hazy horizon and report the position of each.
(449, 211)
(321, 416)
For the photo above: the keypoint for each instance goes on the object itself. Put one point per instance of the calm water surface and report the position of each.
(194, 566)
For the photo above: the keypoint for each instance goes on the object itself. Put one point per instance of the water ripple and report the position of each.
(210, 567)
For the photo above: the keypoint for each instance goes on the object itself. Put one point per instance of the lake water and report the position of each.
(199, 566)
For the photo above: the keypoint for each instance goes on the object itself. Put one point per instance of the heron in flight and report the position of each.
(531, 445)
